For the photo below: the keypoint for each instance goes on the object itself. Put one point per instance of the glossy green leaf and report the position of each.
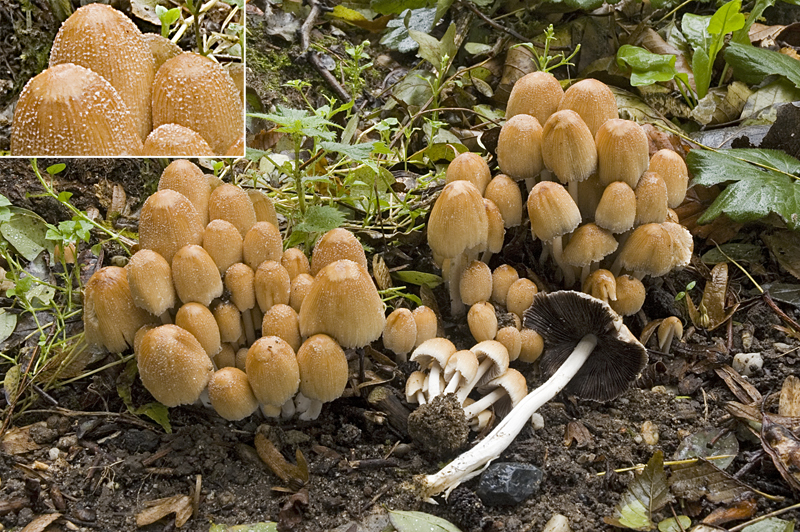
(646, 67)
(418, 278)
(396, 35)
(752, 65)
(727, 19)
(8, 322)
(695, 29)
(433, 50)
(26, 232)
(419, 522)
(739, 252)
(701, 67)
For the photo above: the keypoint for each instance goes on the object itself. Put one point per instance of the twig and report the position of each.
(500, 27)
(313, 58)
(785, 317)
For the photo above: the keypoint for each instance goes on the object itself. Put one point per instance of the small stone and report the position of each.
(466, 508)
(53, 453)
(537, 421)
(508, 483)
(557, 523)
(747, 364)
(65, 442)
(650, 433)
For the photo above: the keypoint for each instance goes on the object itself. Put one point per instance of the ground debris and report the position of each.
(180, 505)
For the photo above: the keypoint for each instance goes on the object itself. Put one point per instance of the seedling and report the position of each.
(544, 61)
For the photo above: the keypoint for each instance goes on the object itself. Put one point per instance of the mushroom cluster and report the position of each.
(110, 91)
(211, 301)
(596, 197)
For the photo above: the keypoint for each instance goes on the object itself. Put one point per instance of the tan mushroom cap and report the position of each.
(231, 203)
(651, 199)
(262, 243)
(672, 169)
(505, 193)
(465, 362)
(427, 324)
(223, 242)
(519, 147)
(231, 395)
(229, 321)
(513, 383)
(195, 275)
(335, 245)
(323, 368)
(186, 177)
(237, 149)
(469, 167)
(298, 290)
(272, 285)
(110, 317)
(655, 249)
(588, 244)
(630, 296)
(682, 243)
(552, 211)
(281, 320)
(200, 322)
(150, 281)
(226, 358)
(623, 153)
(161, 48)
(667, 330)
(617, 208)
(263, 206)
(272, 370)
(502, 278)
(512, 340)
(458, 220)
(537, 94)
(493, 354)
(531, 346)
(103, 39)
(496, 229)
(400, 332)
(295, 262)
(344, 304)
(173, 365)
(240, 282)
(601, 284)
(174, 140)
(415, 387)
(194, 91)
(168, 222)
(520, 296)
(593, 100)
(482, 321)
(476, 283)
(71, 110)
(568, 148)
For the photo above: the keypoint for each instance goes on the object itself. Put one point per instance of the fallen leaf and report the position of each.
(180, 505)
(773, 524)
(648, 492)
(675, 524)
(578, 433)
(703, 479)
(789, 404)
(294, 475)
(699, 445)
(786, 249)
(784, 449)
(291, 514)
(743, 390)
(711, 313)
(420, 522)
(39, 524)
(738, 512)
(18, 441)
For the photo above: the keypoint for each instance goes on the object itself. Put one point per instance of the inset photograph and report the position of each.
(144, 79)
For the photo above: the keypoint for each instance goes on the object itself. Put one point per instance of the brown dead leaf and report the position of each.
(18, 441)
(578, 433)
(381, 273)
(40, 523)
(519, 61)
(294, 475)
(291, 514)
(743, 390)
(698, 199)
(711, 312)
(180, 505)
(760, 32)
(784, 448)
(789, 405)
(785, 247)
(738, 512)
(703, 479)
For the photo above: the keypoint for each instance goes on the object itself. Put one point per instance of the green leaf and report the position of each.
(56, 168)
(647, 493)
(415, 89)
(158, 413)
(695, 29)
(395, 7)
(254, 527)
(26, 232)
(320, 219)
(434, 51)
(701, 67)
(298, 122)
(8, 322)
(727, 19)
(675, 524)
(419, 522)
(647, 67)
(397, 37)
(4, 201)
(418, 278)
(357, 152)
(773, 524)
(738, 252)
(752, 65)
(11, 382)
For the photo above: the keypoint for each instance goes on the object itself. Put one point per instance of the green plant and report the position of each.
(168, 17)
(682, 294)
(544, 59)
(353, 69)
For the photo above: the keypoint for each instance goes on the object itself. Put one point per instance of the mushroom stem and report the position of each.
(457, 266)
(472, 462)
(166, 317)
(433, 380)
(569, 275)
(463, 393)
(585, 271)
(247, 318)
(452, 385)
(484, 402)
(313, 412)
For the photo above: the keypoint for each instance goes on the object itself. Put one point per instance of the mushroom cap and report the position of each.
(482, 321)
(623, 152)
(282, 320)
(186, 177)
(223, 242)
(299, 288)
(110, 316)
(272, 370)
(103, 39)
(495, 236)
(194, 91)
(519, 147)
(630, 295)
(150, 281)
(231, 395)
(175, 140)
(682, 243)
(323, 368)
(670, 324)
(552, 211)
(195, 275)
(510, 337)
(262, 243)
(532, 346)
(588, 244)
(652, 250)
(168, 222)
(476, 283)
(295, 262)
(161, 48)
(335, 245)
(458, 220)
(568, 147)
(497, 353)
(562, 319)
(435, 350)
(427, 324)
(601, 284)
(200, 322)
(504, 192)
(537, 94)
(231, 203)
(239, 281)
(263, 206)
(173, 365)
(70, 110)
(272, 285)
(617, 208)
(400, 331)
(229, 321)
(237, 148)
(672, 169)
(469, 167)
(414, 384)
(651, 199)
(593, 100)
(513, 382)
(463, 361)
(344, 304)
(502, 278)
(520, 296)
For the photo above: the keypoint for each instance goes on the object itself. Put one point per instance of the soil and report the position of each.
(98, 465)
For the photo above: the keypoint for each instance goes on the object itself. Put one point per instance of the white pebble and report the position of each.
(557, 523)
(537, 421)
(748, 364)
(53, 453)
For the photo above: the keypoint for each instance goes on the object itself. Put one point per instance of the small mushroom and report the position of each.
(335, 245)
(150, 281)
(282, 321)
(231, 395)
(400, 333)
(168, 222)
(174, 140)
(186, 177)
(427, 324)
(199, 321)
(323, 372)
(537, 94)
(670, 328)
(469, 167)
(272, 370)
(432, 355)
(262, 243)
(195, 275)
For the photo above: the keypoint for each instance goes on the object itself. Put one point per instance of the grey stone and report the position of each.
(508, 483)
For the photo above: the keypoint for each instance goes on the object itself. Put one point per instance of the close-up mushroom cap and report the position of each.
(231, 203)
(195, 275)
(150, 281)
(458, 220)
(71, 110)
(335, 245)
(103, 39)
(471, 167)
(537, 94)
(400, 332)
(672, 169)
(174, 140)
(593, 100)
(568, 148)
(552, 211)
(623, 152)
(505, 193)
(564, 318)
(198, 320)
(272, 370)
(588, 244)
(263, 242)
(519, 147)
(231, 395)
(173, 365)
(187, 178)
(168, 222)
(617, 208)
(195, 92)
(436, 350)
(494, 351)
(323, 368)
